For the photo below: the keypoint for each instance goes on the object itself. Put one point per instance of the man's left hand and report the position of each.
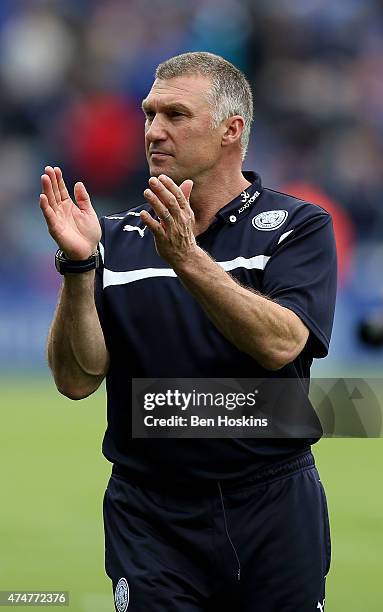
(174, 231)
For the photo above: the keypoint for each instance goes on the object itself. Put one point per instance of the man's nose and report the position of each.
(156, 130)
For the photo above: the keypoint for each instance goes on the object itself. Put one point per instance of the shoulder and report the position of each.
(297, 210)
(283, 219)
(287, 215)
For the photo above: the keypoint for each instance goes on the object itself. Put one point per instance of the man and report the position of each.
(214, 276)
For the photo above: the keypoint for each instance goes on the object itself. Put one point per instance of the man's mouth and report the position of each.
(159, 153)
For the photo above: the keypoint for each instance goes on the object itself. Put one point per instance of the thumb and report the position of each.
(186, 188)
(82, 197)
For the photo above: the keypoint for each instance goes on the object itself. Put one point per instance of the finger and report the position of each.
(45, 206)
(166, 196)
(159, 208)
(49, 214)
(52, 175)
(176, 190)
(61, 184)
(186, 188)
(48, 191)
(153, 225)
(82, 197)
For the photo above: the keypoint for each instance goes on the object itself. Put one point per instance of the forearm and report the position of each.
(270, 333)
(77, 354)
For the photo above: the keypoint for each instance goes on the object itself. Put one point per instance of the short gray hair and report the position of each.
(230, 93)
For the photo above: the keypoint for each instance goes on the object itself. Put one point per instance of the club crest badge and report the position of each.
(269, 220)
(121, 595)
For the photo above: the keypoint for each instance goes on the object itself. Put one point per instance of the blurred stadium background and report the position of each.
(72, 76)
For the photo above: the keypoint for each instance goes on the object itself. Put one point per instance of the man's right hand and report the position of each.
(76, 229)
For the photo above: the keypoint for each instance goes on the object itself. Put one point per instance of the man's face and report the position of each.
(179, 139)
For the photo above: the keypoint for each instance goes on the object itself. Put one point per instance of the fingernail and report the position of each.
(154, 180)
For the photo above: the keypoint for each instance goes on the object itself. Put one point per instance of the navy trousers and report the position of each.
(258, 546)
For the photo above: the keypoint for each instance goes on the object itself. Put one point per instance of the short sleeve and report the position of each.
(301, 275)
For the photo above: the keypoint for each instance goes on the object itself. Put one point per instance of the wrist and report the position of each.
(190, 262)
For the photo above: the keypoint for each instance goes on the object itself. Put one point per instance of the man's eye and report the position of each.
(176, 114)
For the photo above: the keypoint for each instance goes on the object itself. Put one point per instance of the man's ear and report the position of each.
(234, 127)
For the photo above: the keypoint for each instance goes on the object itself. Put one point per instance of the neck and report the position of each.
(212, 193)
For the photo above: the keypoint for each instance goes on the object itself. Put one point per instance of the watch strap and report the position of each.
(73, 266)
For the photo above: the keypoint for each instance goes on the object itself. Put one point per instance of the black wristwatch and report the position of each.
(64, 265)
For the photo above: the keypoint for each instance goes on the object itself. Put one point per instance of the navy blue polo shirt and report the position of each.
(154, 328)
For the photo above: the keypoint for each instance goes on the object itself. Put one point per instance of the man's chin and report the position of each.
(159, 168)
(156, 170)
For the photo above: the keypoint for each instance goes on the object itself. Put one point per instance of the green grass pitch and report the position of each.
(53, 478)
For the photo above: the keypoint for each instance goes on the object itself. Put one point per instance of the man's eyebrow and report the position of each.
(173, 106)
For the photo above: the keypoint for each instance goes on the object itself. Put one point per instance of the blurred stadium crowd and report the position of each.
(72, 76)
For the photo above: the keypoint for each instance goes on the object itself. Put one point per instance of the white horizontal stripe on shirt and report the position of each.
(258, 262)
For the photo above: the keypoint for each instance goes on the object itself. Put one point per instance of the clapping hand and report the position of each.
(76, 229)
(174, 231)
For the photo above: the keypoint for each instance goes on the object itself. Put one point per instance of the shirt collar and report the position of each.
(244, 202)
